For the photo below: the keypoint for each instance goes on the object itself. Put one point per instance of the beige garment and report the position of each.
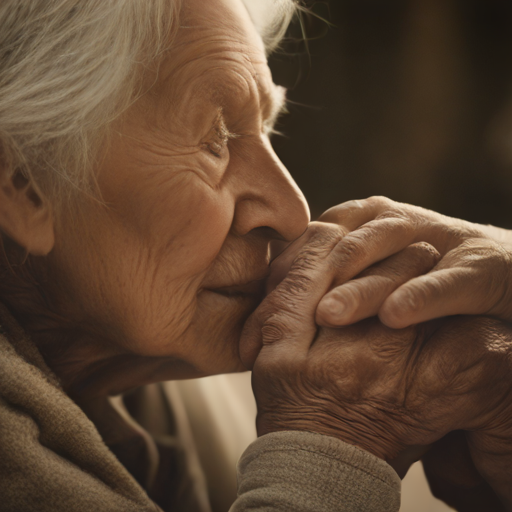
(307, 472)
(52, 457)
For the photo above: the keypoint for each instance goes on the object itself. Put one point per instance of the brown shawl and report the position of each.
(52, 456)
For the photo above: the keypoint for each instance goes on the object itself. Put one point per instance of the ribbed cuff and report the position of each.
(308, 472)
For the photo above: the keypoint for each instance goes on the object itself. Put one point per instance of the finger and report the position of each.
(445, 292)
(442, 232)
(285, 320)
(365, 246)
(281, 265)
(362, 297)
(353, 214)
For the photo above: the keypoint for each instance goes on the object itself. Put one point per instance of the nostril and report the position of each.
(267, 232)
(19, 181)
(33, 196)
(277, 247)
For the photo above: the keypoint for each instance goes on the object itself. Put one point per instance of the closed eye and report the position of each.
(218, 137)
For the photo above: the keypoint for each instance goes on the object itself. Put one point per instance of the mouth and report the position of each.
(252, 289)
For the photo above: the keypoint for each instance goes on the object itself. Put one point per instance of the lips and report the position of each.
(254, 288)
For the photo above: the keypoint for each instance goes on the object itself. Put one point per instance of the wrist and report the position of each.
(355, 432)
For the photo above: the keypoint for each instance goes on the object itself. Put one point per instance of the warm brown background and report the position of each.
(411, 99)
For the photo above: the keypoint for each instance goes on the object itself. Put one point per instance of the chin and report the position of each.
(220, 321)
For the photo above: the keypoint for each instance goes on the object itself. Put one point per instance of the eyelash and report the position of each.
(219, 139)
(217, 144)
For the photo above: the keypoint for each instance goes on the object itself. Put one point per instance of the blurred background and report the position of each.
(411, 99)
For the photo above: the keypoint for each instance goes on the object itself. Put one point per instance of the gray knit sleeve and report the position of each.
(305, 472)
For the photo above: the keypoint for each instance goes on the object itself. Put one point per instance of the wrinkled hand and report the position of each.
(390, 392)
(409, 265)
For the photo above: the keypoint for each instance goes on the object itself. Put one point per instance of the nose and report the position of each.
(266, 194)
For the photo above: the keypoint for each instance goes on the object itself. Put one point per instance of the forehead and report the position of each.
(217, 52)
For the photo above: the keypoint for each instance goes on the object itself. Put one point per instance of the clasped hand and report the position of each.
(391, 392)
(408, 265)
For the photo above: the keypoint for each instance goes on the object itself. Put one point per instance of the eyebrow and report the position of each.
(276, 106)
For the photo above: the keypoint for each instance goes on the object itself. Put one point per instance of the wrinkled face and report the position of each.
(194, 193)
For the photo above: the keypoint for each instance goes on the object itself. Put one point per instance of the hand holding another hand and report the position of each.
(390, 392)
(408, 265)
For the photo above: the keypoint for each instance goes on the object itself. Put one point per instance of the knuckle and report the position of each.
(354, 245)
(324, 233)
(354, 204)
(317, 227)
(298, 281)
(275, 324)
(480, 247)
(337, 213)
(489, 327)
(319, 241)
(424, 251)
(485, 339)
(475, 247)
(273, 330)
(380, 201)
(490, 256)
(262, 312)
(279, 319)
(350, 249)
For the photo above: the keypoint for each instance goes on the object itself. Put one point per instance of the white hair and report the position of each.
(68, 68)
(271, 18)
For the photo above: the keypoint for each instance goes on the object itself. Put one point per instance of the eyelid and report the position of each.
(218, 137)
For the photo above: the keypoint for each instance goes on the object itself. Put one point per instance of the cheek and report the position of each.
(167, 231)
(190, 228)
(177, 217)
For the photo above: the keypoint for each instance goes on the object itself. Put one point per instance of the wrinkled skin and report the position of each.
(155, 281)
(392, 392)
(410, 265)
(153, 284)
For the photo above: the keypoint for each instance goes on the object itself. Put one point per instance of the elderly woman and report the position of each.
(139, 195)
